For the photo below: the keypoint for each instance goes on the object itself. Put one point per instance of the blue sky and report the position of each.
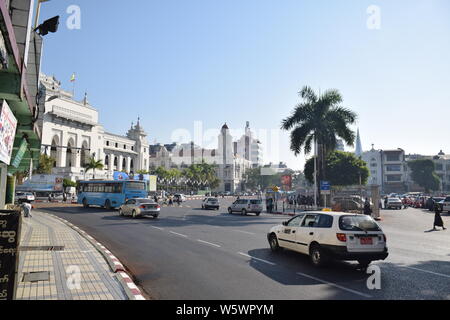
(176, 62)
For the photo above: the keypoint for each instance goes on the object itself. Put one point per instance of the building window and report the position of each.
(393, 157)
(132, 148)
(107, 143)
(145, 150)
(125, 147)
(394, 178)
(374, 165)
(117, 145)
(395, 167)
(439, 167)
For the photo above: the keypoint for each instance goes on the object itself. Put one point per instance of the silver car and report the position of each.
(140, 208)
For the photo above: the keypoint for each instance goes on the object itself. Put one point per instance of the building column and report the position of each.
(120, 163)
(128, 164)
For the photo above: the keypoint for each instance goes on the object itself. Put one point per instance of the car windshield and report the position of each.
(212, 200)
(358, 223)
(145, 201)
(394, 200)
(255, 201)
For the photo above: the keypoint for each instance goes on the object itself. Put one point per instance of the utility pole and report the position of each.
(315, 173)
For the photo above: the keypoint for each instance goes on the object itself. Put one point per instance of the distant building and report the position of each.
(249, 147)
(358, 149)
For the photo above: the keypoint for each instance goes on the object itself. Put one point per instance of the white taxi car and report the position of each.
(446, 204)
(331, 235)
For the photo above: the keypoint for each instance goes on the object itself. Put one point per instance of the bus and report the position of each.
(110, 194)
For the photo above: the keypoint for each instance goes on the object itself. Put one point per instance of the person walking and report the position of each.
(367, 208)
(438, 222)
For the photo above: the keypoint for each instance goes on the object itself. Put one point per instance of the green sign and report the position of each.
(20, 153)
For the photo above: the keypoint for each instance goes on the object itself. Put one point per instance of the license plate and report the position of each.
(366, 241)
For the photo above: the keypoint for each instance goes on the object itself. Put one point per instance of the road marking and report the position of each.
(265, 261)
(431, 272)
(179, 234)
(211, 244)
(158, 228)
(246, 232)
(334, 285)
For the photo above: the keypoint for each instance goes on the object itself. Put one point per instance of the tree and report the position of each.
(45, 164)
(319, 119)
(343, 169)
(93, 165)
(67, 183)
(423, 173)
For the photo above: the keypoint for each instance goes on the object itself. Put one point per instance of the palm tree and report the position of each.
(319, 119)
(93, 165)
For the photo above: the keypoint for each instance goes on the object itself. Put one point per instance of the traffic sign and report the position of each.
(325, 186)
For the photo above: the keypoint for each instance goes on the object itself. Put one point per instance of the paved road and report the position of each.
(196, 255)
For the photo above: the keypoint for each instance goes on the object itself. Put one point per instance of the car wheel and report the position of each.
(85, 204)
(273, 242)
(364, 264)
(258, 213)
(120, 212)
(244, 212)
(108, 205)
(134, 214)
(230, 211)
(155, 216)
(318, 257)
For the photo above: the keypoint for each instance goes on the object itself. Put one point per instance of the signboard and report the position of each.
(325, 187)
(42, 183)
(20, 153)
(10, 222)
(120, 176)
(153, 183)
(8, 127)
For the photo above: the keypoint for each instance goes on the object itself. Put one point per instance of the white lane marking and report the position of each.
(265, 261)
(179, 234)
(209, 243)
(335, 285)
(431, 272)
(157, 228)
(246, 232)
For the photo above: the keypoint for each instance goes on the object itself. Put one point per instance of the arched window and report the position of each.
(116, 162)
(84, 154)
(106, 160)
(124, 164)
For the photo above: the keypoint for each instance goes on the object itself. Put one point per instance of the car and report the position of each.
(210, 203)
(245, 206)
(25, 197)
(179, 196)
(326, 236)
(140, 208)
(394, 203)
(446, 205)
(432, 202)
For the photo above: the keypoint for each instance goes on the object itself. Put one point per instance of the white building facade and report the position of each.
(71, 134)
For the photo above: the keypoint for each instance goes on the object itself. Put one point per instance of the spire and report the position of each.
(358, 150)
(85, 100)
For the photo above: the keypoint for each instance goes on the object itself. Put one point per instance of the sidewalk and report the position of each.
(53, 248)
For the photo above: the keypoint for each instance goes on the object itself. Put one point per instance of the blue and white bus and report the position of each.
(110, 194)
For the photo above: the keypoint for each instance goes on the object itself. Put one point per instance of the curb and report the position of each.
(116, 266)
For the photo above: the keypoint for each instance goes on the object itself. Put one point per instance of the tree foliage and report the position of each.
(343, 169)
(93, 165)
(45, 164)
(423, 173)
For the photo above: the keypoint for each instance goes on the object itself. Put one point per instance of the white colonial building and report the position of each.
(72, 134)
(231, 164)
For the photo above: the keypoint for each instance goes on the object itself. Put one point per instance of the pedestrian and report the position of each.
(156, 198)
(367, 208)
(438, 222)
(26, 207)
(179, 200)
(170, 201)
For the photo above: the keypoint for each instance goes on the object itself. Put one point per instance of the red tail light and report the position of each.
(158, 207)
(341, 237)
(142, 207)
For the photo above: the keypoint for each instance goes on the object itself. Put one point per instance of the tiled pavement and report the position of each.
(98, 282)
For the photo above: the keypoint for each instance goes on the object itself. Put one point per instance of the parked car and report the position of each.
(25, 197)
(394, 203)
(331, 236)
(210, 203)
(446, 204)
(245, 206)
(432, 202)
(140, 208)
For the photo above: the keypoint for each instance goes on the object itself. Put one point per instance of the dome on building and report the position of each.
(225, 126)
(441, 153)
